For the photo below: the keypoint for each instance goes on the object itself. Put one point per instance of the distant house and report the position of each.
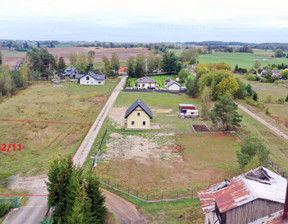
(92, 79)
(146, 83)
(138, 116)
(122, 70)
(244, 199)
(71, 72)
(18, 65)
(173, 85)
(275, 73)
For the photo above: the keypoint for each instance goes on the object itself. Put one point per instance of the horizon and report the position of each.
(152, 21)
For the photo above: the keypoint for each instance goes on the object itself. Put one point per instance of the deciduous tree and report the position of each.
(115, 63)
(205, 102)
(250, 148)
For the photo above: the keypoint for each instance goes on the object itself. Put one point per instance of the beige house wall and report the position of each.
(138, 120)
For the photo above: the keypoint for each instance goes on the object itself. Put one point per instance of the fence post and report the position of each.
(147, 197)
(128, 190)
(162, 195)
(177, 194)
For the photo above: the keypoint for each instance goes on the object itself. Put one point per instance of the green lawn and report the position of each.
(159, 80)
(43, 142)
(244, 60)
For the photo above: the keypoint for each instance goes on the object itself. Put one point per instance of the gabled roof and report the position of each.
(94, 76)
(19, 63)
(259, 183)
(146, 79)
(171, 82)
(69, 70)
(139, 103)
(122, 69)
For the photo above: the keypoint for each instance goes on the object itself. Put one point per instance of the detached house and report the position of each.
(138, 116)
(172, 85)
(71, 72)
(92, 79)
(146, 83)
(252, 197)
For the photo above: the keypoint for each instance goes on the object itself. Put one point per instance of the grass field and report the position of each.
(279, 111)
(244, 60)
(159, 80)
(169, 162)
(43, 142)
(182, 211)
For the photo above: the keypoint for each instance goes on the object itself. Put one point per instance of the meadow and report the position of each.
(43, 142)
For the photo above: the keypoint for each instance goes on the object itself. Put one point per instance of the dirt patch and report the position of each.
(118, 116)
(72, 138)
(98, 100)
(138, 148)
(154, 126)
(115, 135)
(200, 128)
(162, 111)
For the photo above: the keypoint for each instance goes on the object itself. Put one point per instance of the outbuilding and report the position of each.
(173, 85)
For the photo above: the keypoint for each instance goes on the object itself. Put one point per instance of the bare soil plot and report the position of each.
(155, 163)
(11, 58)
(200, 128)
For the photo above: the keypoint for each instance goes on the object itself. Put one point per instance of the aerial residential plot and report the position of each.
(169, 159)
(43, 123)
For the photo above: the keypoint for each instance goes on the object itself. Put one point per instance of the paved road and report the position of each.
(36, 207)
(271, 127)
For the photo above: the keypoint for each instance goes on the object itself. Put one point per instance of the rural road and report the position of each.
(126, 212)
(84, 149)
(271, 127)
(36, 206)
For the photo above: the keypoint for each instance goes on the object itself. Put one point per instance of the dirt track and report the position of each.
(271, 127)
(124, 210)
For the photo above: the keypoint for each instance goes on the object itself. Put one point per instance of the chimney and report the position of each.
(285, 214)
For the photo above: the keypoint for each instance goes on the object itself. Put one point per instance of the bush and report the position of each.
(264, 80)
(251, 77)
(276, 82)
(267, 112)
(281, 100)
(47, 221)
(4, 208)
(269, 99)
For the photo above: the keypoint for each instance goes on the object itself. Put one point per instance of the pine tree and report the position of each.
(225, 111)
(255, 96)
(249, 90)
(61, 65)
(97, 200)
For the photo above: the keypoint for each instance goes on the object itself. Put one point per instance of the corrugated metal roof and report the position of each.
(139, 103)
(146, 80)
(259, 183)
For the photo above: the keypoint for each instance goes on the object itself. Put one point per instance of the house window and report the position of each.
(138, 114)
(74, 76)
(144, 123)
(99, 82)
(87, 77)
(143, 85)
(132, 122)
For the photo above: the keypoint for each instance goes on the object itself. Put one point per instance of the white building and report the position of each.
(92, 79)
(173, 85)
(146, 83)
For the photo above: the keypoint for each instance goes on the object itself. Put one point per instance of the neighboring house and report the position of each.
(71, 72)
(138, 116)
(92, 79)
(122, 70)
(146, 83)
(247, 198)
(275, 73)
(18, 65)
(173, 85)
